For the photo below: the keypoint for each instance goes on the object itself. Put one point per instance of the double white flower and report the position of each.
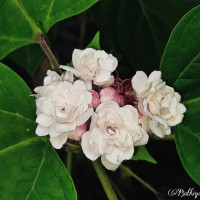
(158, 103)
(61, 107)
(93, 65)
(113, 133)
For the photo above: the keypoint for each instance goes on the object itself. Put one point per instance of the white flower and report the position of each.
(158, 103)
(114, 131)
(52, 76)
(61, 107)
(93, 65)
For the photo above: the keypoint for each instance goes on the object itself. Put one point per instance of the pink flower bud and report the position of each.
(110, 94)
(95, 99)
(78, 132)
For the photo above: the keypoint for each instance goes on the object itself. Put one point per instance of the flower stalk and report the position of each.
(107, 186)
(49, 54)
(143, 182)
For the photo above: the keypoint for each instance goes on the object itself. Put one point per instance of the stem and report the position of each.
(104, 180)
(118, 191)
(166, 138)
(49, 54)
(144, 183)
(69, 162)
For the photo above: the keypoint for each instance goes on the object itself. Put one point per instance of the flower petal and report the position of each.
(59, 141)
(87, 148)
(139, 82)
(44, 120)
(41, 131)
(108, 165)
(70, 69)
(84, 117)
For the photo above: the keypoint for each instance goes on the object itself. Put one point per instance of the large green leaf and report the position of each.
(180, 63)
(30, 168)
(180, 67)
(187, 137)
(28, 15)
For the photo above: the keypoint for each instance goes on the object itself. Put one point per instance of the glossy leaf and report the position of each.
(30, 167)
(29, 14)
(180, 67)
(180, 63)
(187, 137)
(28, 57)
(142, 154)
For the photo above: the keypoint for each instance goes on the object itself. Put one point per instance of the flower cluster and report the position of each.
(107, 116)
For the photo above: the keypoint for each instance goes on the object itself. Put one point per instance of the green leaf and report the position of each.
(187, 138)
(180, 67)
(28, 15)
(143, 154)
(180, 63)
(28, 57)
(95, 42)
(30, 168)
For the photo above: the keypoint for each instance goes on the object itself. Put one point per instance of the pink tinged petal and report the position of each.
(44, 120)
(139, 82)
(101, 77)
(88, 150)
(95, 99)
(144, 139)
(84, 117)
(78, 132)
(79, 85)
(154, 77)
(59, 141)
(108, 165)
(70, 69)
(41, 131)
(110, 94)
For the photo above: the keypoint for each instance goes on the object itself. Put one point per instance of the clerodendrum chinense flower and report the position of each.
(158, 103)
(61, 107)
(93, 65)
(113, 133)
